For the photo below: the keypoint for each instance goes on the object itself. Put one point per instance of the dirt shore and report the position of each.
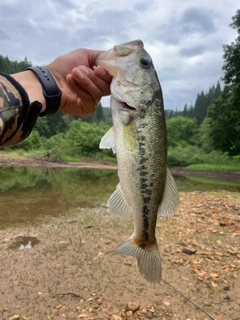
(64, 268)
(4, 161)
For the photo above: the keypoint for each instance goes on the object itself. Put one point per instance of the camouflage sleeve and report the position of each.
(17, 115)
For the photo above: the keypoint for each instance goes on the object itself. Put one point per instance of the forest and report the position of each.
(207, 132)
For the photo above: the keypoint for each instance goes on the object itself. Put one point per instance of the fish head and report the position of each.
(135, 80)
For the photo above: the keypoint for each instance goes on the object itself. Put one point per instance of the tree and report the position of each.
(99, 113)
(9, 66)
(181, 131)
(54, 124)
(231, 55)
(222, 125)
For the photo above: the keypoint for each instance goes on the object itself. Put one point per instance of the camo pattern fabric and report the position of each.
(17, 115)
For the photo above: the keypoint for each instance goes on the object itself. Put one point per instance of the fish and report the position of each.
(146, 188)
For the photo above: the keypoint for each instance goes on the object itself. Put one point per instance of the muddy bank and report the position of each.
(56, 164)
(235, 176)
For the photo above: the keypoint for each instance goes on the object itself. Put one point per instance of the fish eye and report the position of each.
(145, 62)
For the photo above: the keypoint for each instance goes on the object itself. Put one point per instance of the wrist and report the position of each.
(50, 89)
(29, 81)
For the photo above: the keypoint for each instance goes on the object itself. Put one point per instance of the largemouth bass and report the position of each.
(146, 189)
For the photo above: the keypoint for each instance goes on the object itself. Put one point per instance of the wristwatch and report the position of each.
(50, 90)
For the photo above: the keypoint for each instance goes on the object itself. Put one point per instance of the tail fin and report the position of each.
(149, 262)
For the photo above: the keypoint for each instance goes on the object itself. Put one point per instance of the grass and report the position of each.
(214, 167)
(69, 158)
(13, 155)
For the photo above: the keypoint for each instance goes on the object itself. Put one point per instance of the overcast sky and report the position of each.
(184, 37)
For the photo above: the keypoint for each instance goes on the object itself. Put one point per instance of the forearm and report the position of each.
(21, 101)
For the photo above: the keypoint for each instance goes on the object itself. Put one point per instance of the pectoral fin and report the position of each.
(108, 141)
(170, 199)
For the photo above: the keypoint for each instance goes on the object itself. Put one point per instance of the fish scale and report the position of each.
(146, 188)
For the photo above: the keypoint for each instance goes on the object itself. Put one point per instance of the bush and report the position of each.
(185, 156)
(32, 142)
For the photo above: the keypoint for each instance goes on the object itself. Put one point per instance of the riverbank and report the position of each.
(6, 159)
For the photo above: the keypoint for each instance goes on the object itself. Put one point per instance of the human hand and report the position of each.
(82, 85)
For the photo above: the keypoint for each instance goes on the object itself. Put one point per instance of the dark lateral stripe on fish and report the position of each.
(144, 185)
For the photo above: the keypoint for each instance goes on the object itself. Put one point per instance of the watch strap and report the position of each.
(50, 89)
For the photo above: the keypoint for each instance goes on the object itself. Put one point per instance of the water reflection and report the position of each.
(29, 195)
(196, 183)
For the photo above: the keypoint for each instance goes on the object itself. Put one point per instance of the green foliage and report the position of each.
(86, 137)
(231, 55)
(203, 101)
(221, 128)
(57, 147)
(52, 125)
(81, 140)
(191, 155)
(183, 156)
(33, 142)
(181, 131)
(199, 110)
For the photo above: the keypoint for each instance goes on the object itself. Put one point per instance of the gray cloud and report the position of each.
(190, 22)
(142, 6)
(192, 51)
(197, 20)
(115, 23)
(3, 36)
(184, 40)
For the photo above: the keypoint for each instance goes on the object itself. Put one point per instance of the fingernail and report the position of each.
(101, 72)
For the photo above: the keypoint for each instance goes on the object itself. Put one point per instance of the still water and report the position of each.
(29, 195)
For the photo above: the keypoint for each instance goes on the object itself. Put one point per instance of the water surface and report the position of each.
(30, 195)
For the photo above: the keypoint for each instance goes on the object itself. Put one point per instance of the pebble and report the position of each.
(189, 250)
(99, 300)
(133, 306)
(114, 317)
(149, 315)
(15, 317)
(222, 223)
(129, 314)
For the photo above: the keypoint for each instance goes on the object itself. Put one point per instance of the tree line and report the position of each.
(198, 111)
(215, 117)
(211, 126)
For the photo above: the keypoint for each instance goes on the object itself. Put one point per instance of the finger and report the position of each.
(90, 82)
(100, 77)
(103, 74)
(87, 81)
(84, 103)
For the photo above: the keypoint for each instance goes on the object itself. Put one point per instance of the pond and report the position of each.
(31, 195)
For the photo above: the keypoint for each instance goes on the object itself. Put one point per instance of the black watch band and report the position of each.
(50, 89)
